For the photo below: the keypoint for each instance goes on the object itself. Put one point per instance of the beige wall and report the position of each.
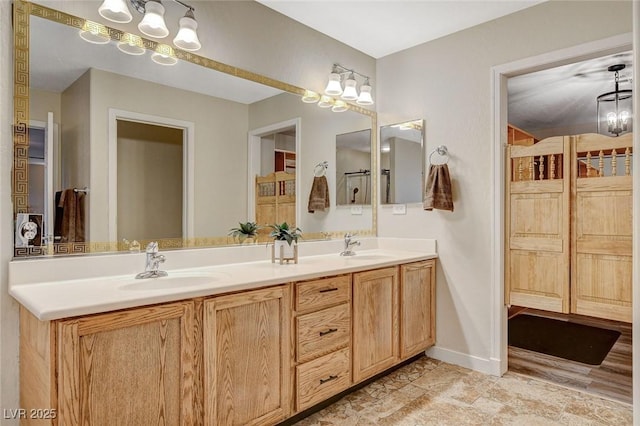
(318, 143)
(220, 147)
(42, 102)
(149, 181)
(448, 82)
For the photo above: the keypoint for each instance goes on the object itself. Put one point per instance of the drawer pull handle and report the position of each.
(328, 379)
(329, 331)
(327, 290)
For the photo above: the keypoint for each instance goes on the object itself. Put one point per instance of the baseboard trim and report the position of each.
(483, 365)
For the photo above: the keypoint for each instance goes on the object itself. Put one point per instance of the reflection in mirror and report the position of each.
(353, 168)
(83, 94)
(402, 162)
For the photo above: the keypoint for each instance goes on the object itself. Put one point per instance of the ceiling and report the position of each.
(380, 28)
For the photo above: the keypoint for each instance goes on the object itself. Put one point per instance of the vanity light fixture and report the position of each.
(615, 108)
(350, 92)
(153, 23)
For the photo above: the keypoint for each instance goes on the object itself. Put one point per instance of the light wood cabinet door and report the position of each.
(375, 322)
(133, 367)
(247, 363)
(417, 307)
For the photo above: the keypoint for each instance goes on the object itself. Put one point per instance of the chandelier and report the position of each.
(614, 109)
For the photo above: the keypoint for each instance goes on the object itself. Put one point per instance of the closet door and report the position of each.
(537, 212)
(601, 228)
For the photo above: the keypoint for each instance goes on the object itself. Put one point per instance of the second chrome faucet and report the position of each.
(153, 261)
(348, 243)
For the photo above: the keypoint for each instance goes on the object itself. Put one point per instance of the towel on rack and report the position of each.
(319, 196)
(72, 222)
(438, 188)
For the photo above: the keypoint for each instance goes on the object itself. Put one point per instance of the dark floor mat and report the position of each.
(577, 342)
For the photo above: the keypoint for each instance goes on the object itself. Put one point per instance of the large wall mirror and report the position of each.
(402, 162)
(113, 149)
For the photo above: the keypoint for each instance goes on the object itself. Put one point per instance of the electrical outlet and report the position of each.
(356, 210)
(399, 209)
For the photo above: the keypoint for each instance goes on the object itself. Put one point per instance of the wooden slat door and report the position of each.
(602, 227)
(537, 218)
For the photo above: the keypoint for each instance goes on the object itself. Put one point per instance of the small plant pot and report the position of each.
(284, 251)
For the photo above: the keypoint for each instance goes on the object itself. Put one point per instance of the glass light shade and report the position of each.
(187, 38)
(115, 11)
(325, 101)
(153, 23)
(350, 93)
(365, 95)
(94, 33)
(310, 97)
(164, 55)
(339, 106)
(131, 44)
(333, 86)
(614, 111)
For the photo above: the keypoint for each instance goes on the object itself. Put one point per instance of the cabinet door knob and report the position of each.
(329, 331)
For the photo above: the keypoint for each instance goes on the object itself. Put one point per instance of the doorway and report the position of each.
(501, 74)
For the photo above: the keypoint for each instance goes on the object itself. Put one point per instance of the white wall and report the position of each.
(453, 74)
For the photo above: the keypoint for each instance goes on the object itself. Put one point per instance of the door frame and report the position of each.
(188, 161)
(499, 77)
(253, 166)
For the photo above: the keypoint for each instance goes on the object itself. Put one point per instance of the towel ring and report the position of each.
(320, 169)
(442, 151)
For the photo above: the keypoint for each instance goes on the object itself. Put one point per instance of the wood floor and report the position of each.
(612, 379)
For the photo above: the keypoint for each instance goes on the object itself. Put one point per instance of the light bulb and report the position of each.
(153, 23)
(115, 11)
(624, 117)
(333, 86)
(187, 38)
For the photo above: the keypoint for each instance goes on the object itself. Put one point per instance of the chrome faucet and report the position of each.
(153, 262)
(348, 243)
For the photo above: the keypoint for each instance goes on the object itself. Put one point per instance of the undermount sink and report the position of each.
(173, 280)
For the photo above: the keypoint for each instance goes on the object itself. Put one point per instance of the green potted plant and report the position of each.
(246, 230)
(285, 237)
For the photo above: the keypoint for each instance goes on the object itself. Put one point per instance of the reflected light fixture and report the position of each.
(95, 33)
(164, 55)
(350, 91)
(614, 109)
(153, 23)
(339, 106)
(325, 101)
(310, 97)
(131, 44)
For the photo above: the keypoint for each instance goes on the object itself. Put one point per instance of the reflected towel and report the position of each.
(72, 223)
(319, 196)
(438, 189)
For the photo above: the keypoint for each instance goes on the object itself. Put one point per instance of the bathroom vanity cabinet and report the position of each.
(256, 357)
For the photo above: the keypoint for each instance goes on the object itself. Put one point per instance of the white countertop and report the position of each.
(49, 300)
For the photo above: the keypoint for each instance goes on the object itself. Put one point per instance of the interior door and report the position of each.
(601, 283)
(537, 211)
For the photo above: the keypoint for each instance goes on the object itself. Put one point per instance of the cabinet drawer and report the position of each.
(318, 294)
(323, 331)
(321, 378)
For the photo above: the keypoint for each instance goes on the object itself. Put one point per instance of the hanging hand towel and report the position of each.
(319, 196)
(438, 189)
(72, 203)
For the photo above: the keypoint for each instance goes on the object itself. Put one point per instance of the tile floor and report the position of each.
(430, 392)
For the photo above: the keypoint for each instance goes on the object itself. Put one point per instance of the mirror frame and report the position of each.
(22, 11)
